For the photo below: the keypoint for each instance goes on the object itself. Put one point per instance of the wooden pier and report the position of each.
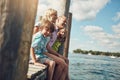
(17, 18)
(36, 72)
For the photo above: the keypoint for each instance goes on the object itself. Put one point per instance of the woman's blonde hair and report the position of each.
(48, 13)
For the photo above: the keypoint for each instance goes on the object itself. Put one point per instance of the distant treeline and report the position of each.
(117, 54)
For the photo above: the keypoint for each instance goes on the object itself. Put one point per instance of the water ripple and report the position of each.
(84, 67)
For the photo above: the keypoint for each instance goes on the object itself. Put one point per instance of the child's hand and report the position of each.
(39, 64)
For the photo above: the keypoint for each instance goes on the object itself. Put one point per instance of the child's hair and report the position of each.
(47, 24)
(48, 14)
(59, 19)
(60, 37)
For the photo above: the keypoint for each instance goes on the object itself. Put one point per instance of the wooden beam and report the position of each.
(16, 22)
(65, 10)
(66, 45)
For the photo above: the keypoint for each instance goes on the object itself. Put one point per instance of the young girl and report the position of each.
(61, 35)
(38, 47)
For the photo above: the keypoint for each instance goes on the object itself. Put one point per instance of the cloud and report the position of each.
(55, 4)
(91, 28)
(81, 9)
(117, 17)
(86, 9)
(41, 9)
(116, 28)
(74, 43)
(104, 39)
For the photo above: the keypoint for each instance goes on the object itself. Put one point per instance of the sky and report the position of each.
(95, 23)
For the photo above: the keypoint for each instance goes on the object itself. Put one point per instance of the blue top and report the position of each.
(39, 43)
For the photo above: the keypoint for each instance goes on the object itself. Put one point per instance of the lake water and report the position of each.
(92, 67)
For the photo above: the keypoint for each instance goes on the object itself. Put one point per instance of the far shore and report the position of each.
(91, 52)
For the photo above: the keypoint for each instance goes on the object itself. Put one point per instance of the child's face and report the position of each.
(46, 32)
(62, 32)
(61, 23)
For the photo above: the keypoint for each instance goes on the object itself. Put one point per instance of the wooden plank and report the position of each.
(37, 72)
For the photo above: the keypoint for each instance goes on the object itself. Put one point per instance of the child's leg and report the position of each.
(51, 66)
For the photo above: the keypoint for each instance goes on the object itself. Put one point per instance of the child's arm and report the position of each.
(34, 58)
(35, 29)
(33, 55)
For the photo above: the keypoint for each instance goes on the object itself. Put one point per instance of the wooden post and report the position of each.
(16, 22)
(66, 45)
(65, 6)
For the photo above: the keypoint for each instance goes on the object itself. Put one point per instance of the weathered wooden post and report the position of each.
(16, 22)
(65, 10)
(66, 44)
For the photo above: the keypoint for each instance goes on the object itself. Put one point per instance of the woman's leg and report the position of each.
(51, 66)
